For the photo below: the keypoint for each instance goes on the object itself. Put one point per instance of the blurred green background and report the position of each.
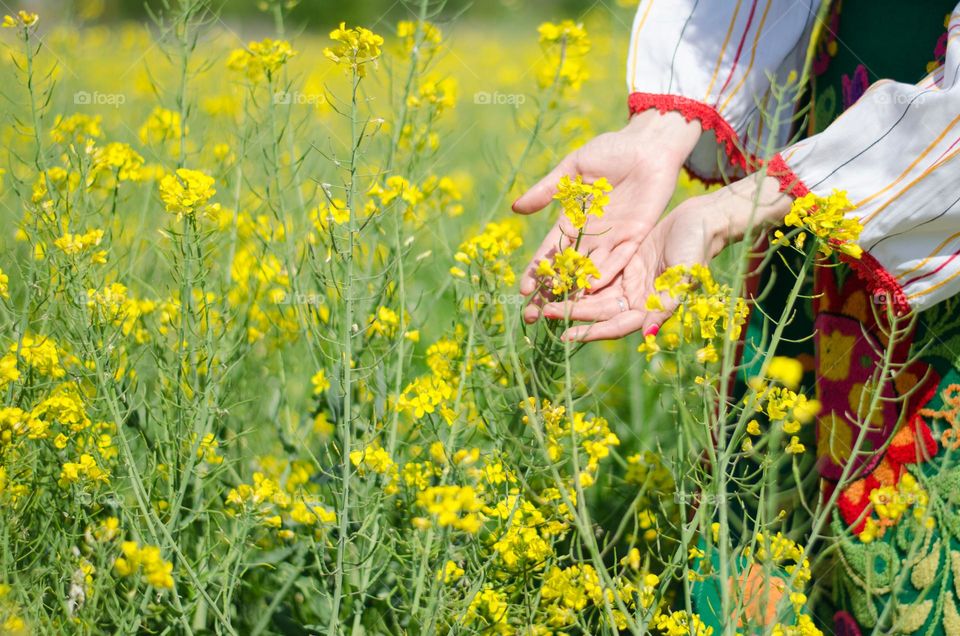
(321, 14)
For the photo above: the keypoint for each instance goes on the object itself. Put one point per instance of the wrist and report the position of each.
(669, 133)
(752, 202)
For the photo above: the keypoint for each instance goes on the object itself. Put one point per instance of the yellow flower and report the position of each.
(450, 573)
(441, 94)
(187, 192)
(107, 530)
(261, 59)
(795, 447)
(489, 607)
(163, 125)
(564, 46)
(681, 624)
(704, 306)
(786, 371)
(826, 218)
(573, 35)
(429, 34)
(453, 506)
(309, 514)
(4, 285)
(208, 450)
(147, 560)
(320, 382)
(649, 346)
(77, 128)
(258, 495)
(579, 199)
(73, 244)
(119, 158)
(336, 210)
(23, 18)
(425, 395)
(487, 254)
(632, 560)
(384, 323)
(570, 271)
(374, 458)
(84, 470)
(356, 47)
(707, 354)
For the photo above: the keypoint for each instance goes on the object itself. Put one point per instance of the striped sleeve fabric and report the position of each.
(895, 153)
(713, 60)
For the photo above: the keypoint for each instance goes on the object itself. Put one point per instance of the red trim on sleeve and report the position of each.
(878, 280)
(709, 119)
(790, 183)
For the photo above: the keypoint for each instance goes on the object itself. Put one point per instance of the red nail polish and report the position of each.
(652, 330)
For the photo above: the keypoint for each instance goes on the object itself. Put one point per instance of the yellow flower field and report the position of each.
(263, 366)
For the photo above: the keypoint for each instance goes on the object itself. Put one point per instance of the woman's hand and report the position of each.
(693, 233)
(642, 162)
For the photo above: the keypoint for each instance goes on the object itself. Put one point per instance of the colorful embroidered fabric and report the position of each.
(897, 537)
(898, 530)
(906, 537)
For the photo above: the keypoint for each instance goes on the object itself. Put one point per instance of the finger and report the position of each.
(551, 242)
(617, 327)
(598, 256)
(655, 318)
(613, 264)
(586, 309)
(540, 195)
(534, 309)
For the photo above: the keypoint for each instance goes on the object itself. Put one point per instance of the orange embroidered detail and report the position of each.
(950, 438)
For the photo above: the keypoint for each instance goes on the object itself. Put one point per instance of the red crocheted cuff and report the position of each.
(709, 119)
(790, 183)
(881, 283)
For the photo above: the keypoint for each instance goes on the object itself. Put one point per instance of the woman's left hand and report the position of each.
(693, 233)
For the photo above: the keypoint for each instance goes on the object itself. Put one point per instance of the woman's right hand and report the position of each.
(642, 162)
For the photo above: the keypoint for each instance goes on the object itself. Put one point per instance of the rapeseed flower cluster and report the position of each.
(707, 311)
(565, 45)
(568, 272)
(355, 49)
(828, 220)
(580, 200)
(888, 504)
(487, 255)
(21, 19)
(187, 193)
(785, 408)
(261, 59)
(147, 562)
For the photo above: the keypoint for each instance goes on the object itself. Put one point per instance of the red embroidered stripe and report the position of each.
(709, 119)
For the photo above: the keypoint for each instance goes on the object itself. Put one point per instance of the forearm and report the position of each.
(755, 201)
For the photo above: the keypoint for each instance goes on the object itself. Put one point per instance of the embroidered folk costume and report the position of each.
(883, 125)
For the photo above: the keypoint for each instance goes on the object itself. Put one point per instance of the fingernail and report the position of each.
(652, 330)
(514, 204)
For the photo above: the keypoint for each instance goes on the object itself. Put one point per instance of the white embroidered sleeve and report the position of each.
(895, 153)
(714, 60)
